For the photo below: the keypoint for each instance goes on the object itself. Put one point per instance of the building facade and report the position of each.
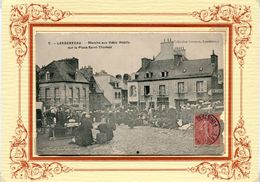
(61, 83)
(112, 87)
(171, 80)
(97, 100)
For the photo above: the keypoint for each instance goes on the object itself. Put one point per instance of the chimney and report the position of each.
(214, 63)
(126, 77)
(87, 72)
(145, 62)
(74, 62)
(90, 70)
(118, 76)
(167, 46)
(180, 51)
(177, 59)
(214, 58)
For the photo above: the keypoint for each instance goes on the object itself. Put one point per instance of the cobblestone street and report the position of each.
(141, 140)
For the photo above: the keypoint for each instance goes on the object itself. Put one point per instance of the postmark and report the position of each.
(207, 129)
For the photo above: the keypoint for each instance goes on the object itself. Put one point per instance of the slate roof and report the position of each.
(220, 76)
(98, 89)
(185, 69)
(104, 100)
(37, 68)
(62, 71)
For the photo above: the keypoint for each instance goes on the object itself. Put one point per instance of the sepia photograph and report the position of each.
(130, 93)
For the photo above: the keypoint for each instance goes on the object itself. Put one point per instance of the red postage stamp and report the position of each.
(207, 129)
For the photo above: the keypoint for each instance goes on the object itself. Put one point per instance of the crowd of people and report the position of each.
(80, 124)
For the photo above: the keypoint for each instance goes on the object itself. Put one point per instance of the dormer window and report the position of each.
(164, 74)
(48, 75)
(184, 70)
(201, 69)
(116, 85)
(148, 75)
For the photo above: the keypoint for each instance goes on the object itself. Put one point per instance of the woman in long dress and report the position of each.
(84, 136)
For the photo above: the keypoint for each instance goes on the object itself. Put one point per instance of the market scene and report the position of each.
(150, 111)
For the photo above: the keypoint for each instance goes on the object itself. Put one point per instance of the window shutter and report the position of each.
(42, 92)
(151, 90)
(166, 89)
(51, 92)
(142, 90)
(185, 87)
(205, 86)
(175, 87)
(195, 86)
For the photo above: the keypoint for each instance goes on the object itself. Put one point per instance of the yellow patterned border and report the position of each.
(240, 17)
(23, 14)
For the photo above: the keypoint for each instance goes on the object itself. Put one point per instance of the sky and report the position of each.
(119, 53)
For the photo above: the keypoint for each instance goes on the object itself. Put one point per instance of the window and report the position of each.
(162, 90)
(148, 74)
(164, 74)
(48, 75)
(47, 95)
(180, 87)
(78, 94)
(56, 95)
(199, 86)
(116, 95)
(85, 96)
(132, 92)
(116, 85)
(71, 95)
(85, 92)
(146, 90)
(119, 95)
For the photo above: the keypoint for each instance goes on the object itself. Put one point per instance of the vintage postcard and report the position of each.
(117, 91)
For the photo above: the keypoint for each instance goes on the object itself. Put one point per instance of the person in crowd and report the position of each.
(51, 121)
(60, 117)
(106, 129)
(39, 120)
(172, 117)
(111, 120)
(84, 136)
(150, 112)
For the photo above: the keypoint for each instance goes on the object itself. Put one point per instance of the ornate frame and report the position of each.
(22, 15)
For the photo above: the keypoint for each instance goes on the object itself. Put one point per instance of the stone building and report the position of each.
(61, 82)
(97, 100)
(171, 79)
(112, 87)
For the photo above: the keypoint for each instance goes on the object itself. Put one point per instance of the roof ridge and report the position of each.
(199, 59)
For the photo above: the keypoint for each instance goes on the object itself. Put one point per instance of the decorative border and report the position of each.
(240, 17)
(22, 15)
(31, 157)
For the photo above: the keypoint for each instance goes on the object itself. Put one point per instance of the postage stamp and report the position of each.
(207, 129)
